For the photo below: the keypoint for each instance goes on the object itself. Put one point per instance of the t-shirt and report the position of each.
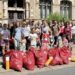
(5, 34)
(45, 38)
(46, 29)
(68, 30)
(26, 31)
(33, 38)
(62, 29)
(51, 38)
(18, 33)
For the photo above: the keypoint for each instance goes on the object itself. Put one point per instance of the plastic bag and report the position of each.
(57, 60)
(53, 52)
(32, 49)
(16, 64)
(16, 60)
(40, 58)
(65, 54)
(44, 47)
(30, 62)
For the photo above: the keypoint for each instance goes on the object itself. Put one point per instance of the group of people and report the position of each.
(30, 33)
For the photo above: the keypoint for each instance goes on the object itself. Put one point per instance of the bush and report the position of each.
(56, 16)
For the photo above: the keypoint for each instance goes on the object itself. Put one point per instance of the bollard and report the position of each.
(7, 63)
(48, 61)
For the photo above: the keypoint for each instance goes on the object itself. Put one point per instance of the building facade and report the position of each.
(16, 10)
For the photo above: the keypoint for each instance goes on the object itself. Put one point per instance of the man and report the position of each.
(26, 32)
(17, 37)
(5, 38)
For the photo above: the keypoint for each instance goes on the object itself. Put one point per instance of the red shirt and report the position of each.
(45, 38)
(68, 30)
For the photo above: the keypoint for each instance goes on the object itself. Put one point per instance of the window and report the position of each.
(11, 3)
(66, 8)
(20, 15)
(19, 3)
(45, 8)
(11, 15)
(15, 3)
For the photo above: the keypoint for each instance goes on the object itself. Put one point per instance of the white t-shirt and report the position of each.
(18, 33)
(73, 30)
(33, 38)
(46, 29)
(26, 31)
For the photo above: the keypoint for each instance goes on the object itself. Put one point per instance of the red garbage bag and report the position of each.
(40, 58)
(24, 59)
(22, 54)
(16, 54)
(44, 47)
(30, 64)
(32, 49)
(15, 60)
(66, 50)
(65, 54)
(57, 60)
(16, 64)
(16, 57)
(53, 52)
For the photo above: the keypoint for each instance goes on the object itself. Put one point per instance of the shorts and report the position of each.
(4, 42)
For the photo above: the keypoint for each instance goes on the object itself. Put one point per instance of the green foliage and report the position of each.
(57, 17)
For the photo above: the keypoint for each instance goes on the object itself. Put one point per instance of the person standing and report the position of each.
(33, 37)
(17, 36)
(5, 38)
(67, 31)
(26, 32)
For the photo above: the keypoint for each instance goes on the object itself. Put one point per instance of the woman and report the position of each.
(67, 31)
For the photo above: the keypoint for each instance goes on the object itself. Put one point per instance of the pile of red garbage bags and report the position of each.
(32, 57)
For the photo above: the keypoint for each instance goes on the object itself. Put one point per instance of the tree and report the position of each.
(56, 16)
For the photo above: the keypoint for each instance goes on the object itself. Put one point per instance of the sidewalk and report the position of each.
(36, 70)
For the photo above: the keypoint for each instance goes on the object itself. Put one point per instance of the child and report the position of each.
(60, 43)
(65, 41)
(23, 44)
(45, 37)
(38, 31)
(33, 37)
(51, 41)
